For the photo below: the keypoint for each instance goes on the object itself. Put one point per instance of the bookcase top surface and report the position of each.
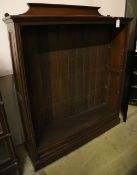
(39, 11)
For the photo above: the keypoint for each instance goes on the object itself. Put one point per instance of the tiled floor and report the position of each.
(112, 153)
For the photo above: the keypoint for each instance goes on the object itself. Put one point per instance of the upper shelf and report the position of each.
(38, 12)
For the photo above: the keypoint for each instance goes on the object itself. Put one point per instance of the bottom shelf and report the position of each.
(61, 132)
(64, 136)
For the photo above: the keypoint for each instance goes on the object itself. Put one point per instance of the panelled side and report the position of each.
(19, 74)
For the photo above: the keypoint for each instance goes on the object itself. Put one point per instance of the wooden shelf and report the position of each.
(58, 132)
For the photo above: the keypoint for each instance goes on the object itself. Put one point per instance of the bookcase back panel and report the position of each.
(66, 69)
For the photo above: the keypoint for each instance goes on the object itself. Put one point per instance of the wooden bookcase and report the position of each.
(69, 64)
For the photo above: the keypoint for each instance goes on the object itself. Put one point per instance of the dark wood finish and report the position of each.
(130, 11)
(133, 84)
(69, 65)
(8, 160)
(3, 125)
(1, 129)
(60, 10)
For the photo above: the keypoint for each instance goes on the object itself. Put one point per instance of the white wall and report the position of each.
(108, 7)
